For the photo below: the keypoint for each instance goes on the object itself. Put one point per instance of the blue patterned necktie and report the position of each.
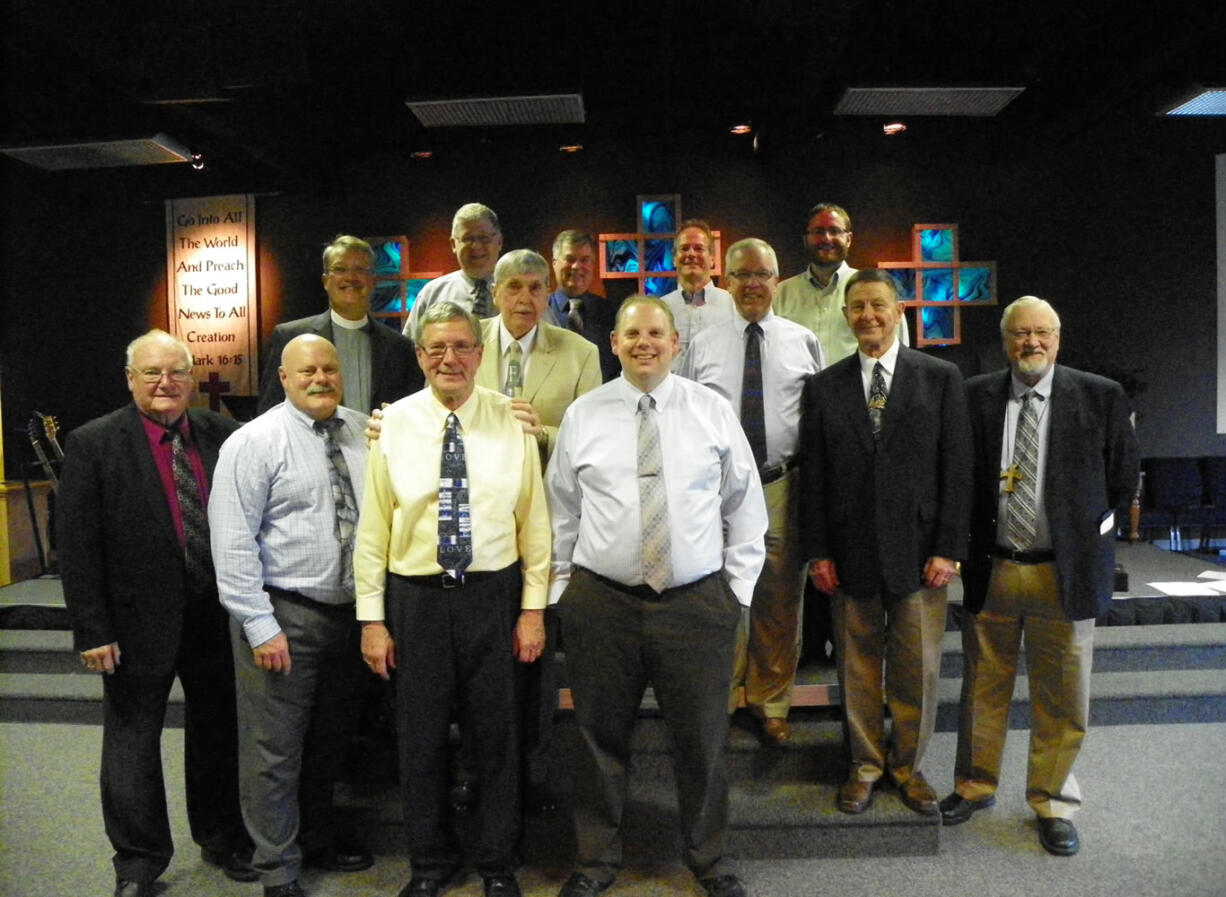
(342, 497)
(876, 399)
(197, 558)
(455, 534)
(753, 416)
(653, 501)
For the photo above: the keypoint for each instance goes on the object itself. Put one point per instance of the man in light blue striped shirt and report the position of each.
(281, 514)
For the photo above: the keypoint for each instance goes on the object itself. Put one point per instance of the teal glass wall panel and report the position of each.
(658, 216)
(659, 286)
(937, 323)
(975, 284)
(387, 258)
(904, 280)
(938, 285)
(936, 245)
(621, 255)
(659, 255)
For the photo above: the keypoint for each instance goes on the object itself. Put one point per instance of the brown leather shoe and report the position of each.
(776, 731)
(856, 796)
(917, 794)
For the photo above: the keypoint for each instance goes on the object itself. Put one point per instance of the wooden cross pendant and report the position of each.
(1011, 475)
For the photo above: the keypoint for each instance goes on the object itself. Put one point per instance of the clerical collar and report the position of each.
(347, 324)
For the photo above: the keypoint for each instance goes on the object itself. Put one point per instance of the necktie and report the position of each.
(342, 497)
(455, 534)
(481, 298)
(876, 398)
(752, 415)
(653, 502)
(574, 320)
(515, 370)
(196, 557)
(1024, 500)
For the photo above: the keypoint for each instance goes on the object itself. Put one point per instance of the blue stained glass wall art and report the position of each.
(386, 296)
(387, 258)
(659, 255)
(659, 286)
(937, 323)
(975, 284)
(658, 216)
(936, 245)
(938, 285)
(621, 255)
(904, 280)
(411, 289)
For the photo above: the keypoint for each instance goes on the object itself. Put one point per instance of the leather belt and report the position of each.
(447, 581)
(771, 474)
(1040, 556)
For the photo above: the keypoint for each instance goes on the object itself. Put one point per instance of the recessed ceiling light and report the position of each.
(1210, 101)
(571, 147)
(741, 128)
(422, 154)
(894, 127)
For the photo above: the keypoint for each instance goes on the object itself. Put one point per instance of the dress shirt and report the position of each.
(272, 515)
(1013, 410)
(398, 527)
(717, 515)
(803, 300)
(790, 353)
(717, 308)
(352, 341)
(526, 342)
(557, 309)
(456, 287)
(888, 362)
(163, 457)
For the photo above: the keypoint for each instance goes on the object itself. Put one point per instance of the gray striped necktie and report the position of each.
(653, 502)
(1024, 500)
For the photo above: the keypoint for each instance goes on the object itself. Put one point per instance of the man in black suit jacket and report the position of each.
(1041, 563)
(141, 617)
(885, 472)
(572, 306)
(377, 362)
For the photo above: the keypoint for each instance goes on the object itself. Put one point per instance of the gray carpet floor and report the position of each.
(1154, 826)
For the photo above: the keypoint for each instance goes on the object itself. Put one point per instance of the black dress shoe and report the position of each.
(956, 809)
(463, 796)
(293, 889)
(501, 886)
(339, 856)
(235, 863)
(724, 886)
(125, 888)
(426, 887)
(1059, 837)
(579, 885)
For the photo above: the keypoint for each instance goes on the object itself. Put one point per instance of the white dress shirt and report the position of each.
(717, 515)
(717, 308)
(888, 362)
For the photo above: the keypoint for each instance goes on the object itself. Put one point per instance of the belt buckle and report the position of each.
(452, 580)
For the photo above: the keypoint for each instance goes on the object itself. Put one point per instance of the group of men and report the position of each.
(659, 512)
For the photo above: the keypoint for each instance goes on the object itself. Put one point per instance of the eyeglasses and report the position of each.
(1038, 332)
(155, 375)
(341, 270)
(826, 232)
(438, 351)
(483, 239)
(747, 276)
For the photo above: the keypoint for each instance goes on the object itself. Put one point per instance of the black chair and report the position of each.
(1213, 475)
(1172, 497)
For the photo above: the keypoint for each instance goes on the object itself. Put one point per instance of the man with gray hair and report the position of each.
(572, 305)
(759, 362)
(376, 362)
(1054, 456)
(476, 240)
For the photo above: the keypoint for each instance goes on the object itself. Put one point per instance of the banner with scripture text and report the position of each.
(211, 291)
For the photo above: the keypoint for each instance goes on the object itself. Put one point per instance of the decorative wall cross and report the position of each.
(396, 284)
(647, 254)
(940, 284)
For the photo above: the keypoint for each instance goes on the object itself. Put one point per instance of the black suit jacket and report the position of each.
(599, 321)
(881, 510)
(394, 371)
(1092, 466)
(121, 563)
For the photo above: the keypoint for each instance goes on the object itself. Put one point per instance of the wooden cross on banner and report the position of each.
(215, 388)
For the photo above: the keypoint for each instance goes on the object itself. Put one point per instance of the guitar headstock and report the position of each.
(50, 426)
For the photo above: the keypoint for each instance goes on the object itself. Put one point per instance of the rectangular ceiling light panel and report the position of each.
(899, 101)
(156, 150)
(1207, 102)
(485, 112)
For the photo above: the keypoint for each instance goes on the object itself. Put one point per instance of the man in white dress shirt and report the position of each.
(759, 363)
(476, 240)
(658, 523)
(696, 303)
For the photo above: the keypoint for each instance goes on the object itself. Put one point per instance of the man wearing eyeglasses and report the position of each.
(697, 303)
(452, 566)
(572, 305)
(476, 240)
(376, 362)
(759, 362)
(138, 582)
(1054, 456)
(815, 297)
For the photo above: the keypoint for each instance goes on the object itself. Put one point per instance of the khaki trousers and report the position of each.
(1023, 601)
(904, 636)
(768, 643)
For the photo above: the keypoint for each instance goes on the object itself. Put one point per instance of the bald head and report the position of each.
(311, 375)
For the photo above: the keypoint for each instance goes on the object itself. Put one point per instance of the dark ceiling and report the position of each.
(281, 95)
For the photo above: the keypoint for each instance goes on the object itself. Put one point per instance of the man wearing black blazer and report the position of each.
(377, 362)
(1054, 455)
(885, 476)
(142, 613)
